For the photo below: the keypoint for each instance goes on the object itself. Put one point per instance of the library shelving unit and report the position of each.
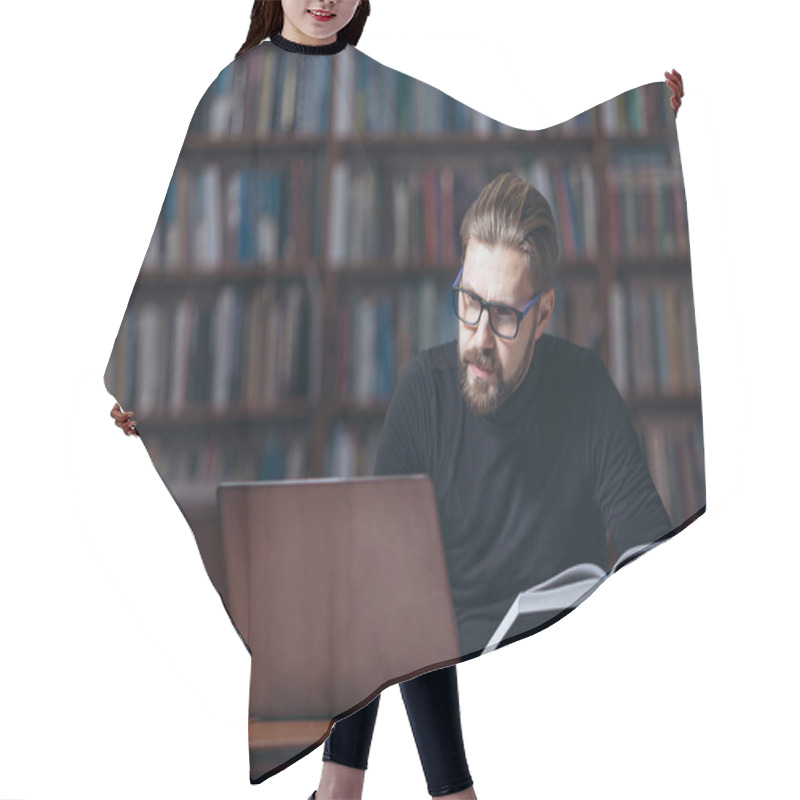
(305, 252)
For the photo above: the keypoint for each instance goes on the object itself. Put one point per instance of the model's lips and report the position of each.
(481, 373)
(321, 15)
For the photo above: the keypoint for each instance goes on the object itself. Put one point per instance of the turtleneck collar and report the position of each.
(308, 49)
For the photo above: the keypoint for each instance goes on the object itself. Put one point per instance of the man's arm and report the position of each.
(623, 489)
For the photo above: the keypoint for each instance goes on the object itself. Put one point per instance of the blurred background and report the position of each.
(306, 249)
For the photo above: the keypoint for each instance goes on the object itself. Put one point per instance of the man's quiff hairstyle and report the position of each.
(510, 211)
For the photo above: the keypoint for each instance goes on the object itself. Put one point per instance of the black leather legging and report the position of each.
(431, 701)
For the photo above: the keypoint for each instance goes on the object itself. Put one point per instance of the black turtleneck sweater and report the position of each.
(529, 490)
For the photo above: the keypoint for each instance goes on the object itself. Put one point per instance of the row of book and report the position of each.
(206, 461)
(380, 330)
(653, 338)
(675, 455)
(246, 348)
(641, 112)
(647, 207)
(275, 454)
(241, 348)
(213, 217)
(351, 450)
(271, 93)
(265, 94)
(576, 314)
(408, 216)
(378, 101)
(569, 188)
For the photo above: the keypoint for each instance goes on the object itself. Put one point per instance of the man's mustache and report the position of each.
(480, 360)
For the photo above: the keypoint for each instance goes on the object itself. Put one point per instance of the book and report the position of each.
(565, 590)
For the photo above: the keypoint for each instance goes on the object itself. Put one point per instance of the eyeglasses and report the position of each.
(504, 320)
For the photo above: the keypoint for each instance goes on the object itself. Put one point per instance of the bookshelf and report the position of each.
(305, 250)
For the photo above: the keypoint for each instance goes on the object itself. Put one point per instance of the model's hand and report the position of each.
(675, 82)
(124, 420)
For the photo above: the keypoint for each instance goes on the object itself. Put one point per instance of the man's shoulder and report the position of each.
(440, 358)
(429, 369)
(434, 362)
(567, 357)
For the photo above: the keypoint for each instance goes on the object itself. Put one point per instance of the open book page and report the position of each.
(567, 589)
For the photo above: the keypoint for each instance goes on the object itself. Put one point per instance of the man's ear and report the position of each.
(546, 304)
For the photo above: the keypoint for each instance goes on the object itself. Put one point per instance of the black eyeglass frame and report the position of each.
(488, 306)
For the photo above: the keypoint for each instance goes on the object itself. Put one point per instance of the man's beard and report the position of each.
(484, 397)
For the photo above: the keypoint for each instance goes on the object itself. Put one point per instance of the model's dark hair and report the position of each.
(510, 211)
(266, 19)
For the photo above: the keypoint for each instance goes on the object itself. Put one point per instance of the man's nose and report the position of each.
(484, 335)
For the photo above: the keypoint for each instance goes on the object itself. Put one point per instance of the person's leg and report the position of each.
(345, 755)
(433, 710)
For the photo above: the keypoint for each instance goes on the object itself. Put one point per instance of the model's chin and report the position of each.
(480, 396)
(479, 389)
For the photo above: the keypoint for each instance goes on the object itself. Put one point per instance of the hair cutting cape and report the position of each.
(304, 256)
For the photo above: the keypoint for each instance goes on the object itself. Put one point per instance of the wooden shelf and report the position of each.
(461, 143)
(665, 403)
(391, 271)
(657, 139)
(287, 411)
(186, 276)
(657, 266)
(198, 144)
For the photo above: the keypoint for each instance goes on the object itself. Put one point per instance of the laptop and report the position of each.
(338, 586)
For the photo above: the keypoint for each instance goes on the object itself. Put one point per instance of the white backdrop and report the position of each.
(120, 673)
